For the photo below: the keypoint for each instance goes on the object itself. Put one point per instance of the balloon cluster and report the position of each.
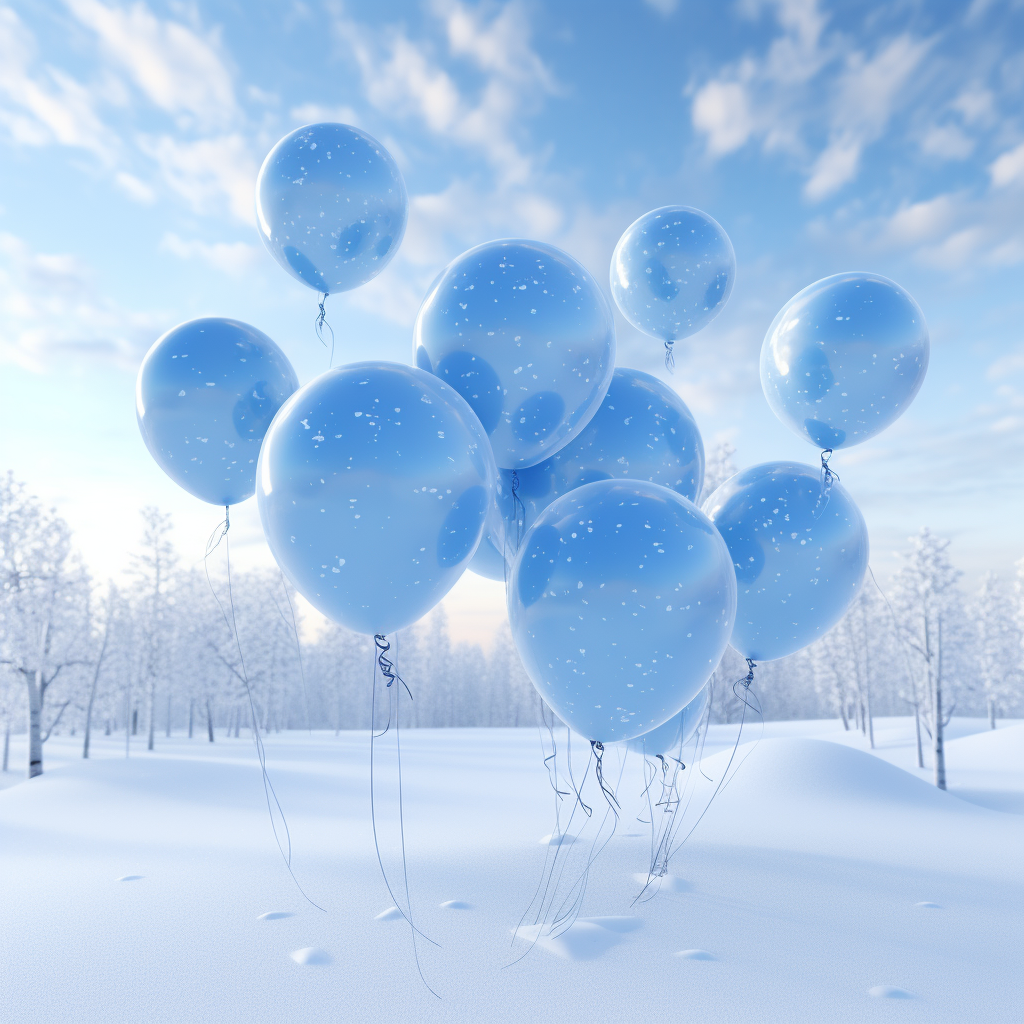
(515, 447)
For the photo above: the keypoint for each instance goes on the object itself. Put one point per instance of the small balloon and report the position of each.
(642, 431)
(670, 738)
(844, 358)
(621, 601)
(205, 395)
(374, 488)
(524, 334)
(672, 272)
(331, 206)
(800, 549)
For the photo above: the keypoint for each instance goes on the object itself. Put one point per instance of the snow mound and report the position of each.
(663, 883)
(992, 750)
(696, 954)
(130, 878)
(554, 839)
(925, 905)
(391, 914)
(311, 956)
(888, 992)
(586, 939)
(456, 905)
(819, 770)
(275, 915)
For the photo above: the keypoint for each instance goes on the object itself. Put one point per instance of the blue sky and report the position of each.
(823, 137)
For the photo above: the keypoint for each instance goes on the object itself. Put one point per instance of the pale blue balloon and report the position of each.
(800, 550)
(331, 206)
(670, 738)
(621, 601)
(672, 272)
(205, 395)
(489, 561)
(844, 358)
(642, 431)
(374, 487)
(524, 334)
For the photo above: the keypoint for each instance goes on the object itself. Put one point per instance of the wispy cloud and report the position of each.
(235, 259)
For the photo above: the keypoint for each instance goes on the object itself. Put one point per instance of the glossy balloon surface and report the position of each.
(621, 601)
(800, 555)
(672, 272)
(331, 206)
(488, 561)
(844, 358)
(374, 487)
(524, 334)
(670, 738)
(642, 431)
(205, 395)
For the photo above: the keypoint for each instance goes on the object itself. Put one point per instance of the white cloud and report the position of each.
(50, 309)
(235, 259)
(216, 175)
(663, 7)
(948, 142)
(721, 110)
(920, 222)
(1008, 168)
(134, 189)
(177, 69)
(317, 113)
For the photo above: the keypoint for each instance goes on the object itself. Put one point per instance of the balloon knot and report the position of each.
(670, 357)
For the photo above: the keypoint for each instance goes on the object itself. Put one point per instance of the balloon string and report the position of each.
(387, 667)
(609, 794)
(321, 323)
(218, 535)
(828, 477)
(518, 508)
(670, 357)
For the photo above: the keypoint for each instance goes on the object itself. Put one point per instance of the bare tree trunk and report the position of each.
(191, 711)
(917, 724)
(168, 733)
(35, 736)
(842, 714)
(938, 746)
(238, 720)
(7, 743)
(209, 720)
(96, 678)
(151, 711)
(135, 720)
(991, 713)
(870, 717)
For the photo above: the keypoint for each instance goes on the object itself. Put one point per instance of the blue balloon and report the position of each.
(800, 549)
(524, 334)
(844, 358)
(621, 601)
(374, 487)
(205, 395)
(672, 272)
(489, 561)
(670, 738)
(331, 206)
(642, 431)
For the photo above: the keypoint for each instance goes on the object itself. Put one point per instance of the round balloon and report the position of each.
(205, 395)
(670, 738)
(800, 550)
(672, 272)
(844, 358)
(331, 206)
(374, 487)
(642, 431)
(621, 601)
(488, 561)
(524, 334)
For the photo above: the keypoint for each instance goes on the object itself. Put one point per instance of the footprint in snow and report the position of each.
(391, 914)
(888, 992)
(586, 939)
(696, 954)
(663, 883)
(275, 915)
(457, 905)
(556, 840)
(130, 878)
(311, 956)
(924, 904)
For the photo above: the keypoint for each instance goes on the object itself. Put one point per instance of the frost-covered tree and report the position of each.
(718, 467)
(994, 616)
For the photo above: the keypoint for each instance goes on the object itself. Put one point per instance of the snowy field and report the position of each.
(825, 883)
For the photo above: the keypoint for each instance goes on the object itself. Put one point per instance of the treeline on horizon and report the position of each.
(158, 655)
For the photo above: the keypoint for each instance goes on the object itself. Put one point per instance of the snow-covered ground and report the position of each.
(825, 883)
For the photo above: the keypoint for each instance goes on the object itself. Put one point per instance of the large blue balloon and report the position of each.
(524, 334)
(489, 561)
(205, 395)
(672, 272)
(844, 358)
(331, 206)
(642, 431)
(800, 550)
(670, 738)
(374, 487)
(621, 600)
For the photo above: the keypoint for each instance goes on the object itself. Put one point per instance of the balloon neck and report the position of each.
(749, 678)
(828, 478)
(227, 518)
(670, 357)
